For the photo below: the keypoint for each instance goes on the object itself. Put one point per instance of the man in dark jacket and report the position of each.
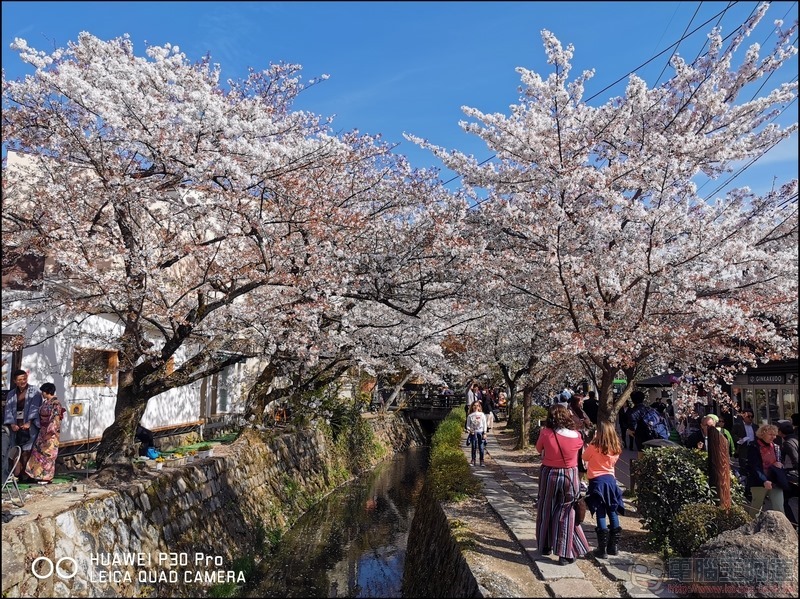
(744, 433)
(699, 439)
(789, 458)
(640, 416)
(590, 407)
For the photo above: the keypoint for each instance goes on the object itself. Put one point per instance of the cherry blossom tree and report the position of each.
(600, 224)
(382, 295)
(206, 217)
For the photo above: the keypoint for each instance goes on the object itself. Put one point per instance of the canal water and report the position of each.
(353, 543)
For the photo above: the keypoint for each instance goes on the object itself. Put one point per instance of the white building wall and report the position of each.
(51, 361)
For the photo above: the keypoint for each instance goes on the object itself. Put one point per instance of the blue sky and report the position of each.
(400, 67)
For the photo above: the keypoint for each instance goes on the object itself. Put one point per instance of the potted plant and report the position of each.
(159, 463)
(190, 456)
(205, 451)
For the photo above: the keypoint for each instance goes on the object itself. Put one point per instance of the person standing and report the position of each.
(789, 451)
(762, 457)
(559, 486)
(582, 423)
(744, 432)
(719, 423)
(487, 407)
(604, 496)
(22, 416)
(699, 439)
(624, 423)
(42, 463)
(472, 395)
(645, 423)
(502, 401)
(591, 407)
(476, 428)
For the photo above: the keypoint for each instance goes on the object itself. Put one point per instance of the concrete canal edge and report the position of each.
(178, 531)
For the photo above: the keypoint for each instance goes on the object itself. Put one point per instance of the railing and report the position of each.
(422, 406)
(433, 402)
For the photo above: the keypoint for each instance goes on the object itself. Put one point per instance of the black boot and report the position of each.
(613, 540)
(602, 541)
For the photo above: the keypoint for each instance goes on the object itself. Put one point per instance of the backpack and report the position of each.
(652, 426)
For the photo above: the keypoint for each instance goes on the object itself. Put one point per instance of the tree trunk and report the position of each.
(608, 407)
(117, 445)
(257, 398)
(396, 392)
(719, 475)
(522, 442)
(511, 400)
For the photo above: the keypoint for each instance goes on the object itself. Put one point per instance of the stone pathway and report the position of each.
(640, 575)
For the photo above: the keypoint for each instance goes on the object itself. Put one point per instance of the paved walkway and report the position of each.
(641, 576)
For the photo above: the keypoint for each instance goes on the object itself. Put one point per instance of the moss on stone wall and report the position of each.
(231, 506)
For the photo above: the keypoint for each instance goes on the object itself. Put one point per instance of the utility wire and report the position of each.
(702, 49)
(675, 44)
(664, 51)
(752, 161)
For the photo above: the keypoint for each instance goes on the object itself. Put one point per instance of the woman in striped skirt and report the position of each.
(559, 484)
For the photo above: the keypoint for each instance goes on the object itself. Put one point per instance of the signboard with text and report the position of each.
(766, 379)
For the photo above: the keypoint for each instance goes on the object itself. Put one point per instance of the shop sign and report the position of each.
(766, 379)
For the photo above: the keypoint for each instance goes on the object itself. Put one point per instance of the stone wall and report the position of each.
(182, 530)
(435, 564)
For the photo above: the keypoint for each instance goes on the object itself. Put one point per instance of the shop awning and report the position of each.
(662, 380)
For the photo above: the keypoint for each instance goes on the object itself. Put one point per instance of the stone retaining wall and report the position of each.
(182, 529)
(435, 564)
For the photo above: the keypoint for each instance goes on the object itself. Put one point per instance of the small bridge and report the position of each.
(427, 407)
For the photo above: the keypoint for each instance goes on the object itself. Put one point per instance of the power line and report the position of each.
(697, 10)
(664, 51)
(675, 45)
(752, 161)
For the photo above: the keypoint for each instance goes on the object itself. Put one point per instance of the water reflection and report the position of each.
(353, 543)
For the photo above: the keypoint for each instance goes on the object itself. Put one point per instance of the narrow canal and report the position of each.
(353, 543)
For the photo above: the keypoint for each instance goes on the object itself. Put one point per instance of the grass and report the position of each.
(222, 440)
(61, 478)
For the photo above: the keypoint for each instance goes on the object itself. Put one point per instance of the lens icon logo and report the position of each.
(43, 567)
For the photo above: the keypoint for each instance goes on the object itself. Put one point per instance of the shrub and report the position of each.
(535, 413)
(514, 417)
(696, 523)
(451, 476)
(449, 472)
(668, 478)
(538, 413)
(450, 430)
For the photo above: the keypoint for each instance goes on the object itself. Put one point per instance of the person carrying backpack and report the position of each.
(644, 422)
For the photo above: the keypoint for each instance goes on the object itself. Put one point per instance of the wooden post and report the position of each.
(719, 467)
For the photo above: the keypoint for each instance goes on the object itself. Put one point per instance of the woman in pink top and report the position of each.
(559, 484)
(604, 495)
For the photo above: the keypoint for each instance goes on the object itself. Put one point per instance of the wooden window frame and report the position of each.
(111, 358)
(23, 270)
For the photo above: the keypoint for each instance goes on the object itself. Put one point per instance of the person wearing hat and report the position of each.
(699, 439)
(719, 423)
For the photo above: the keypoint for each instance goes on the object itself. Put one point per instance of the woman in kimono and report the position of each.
(42, 463)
